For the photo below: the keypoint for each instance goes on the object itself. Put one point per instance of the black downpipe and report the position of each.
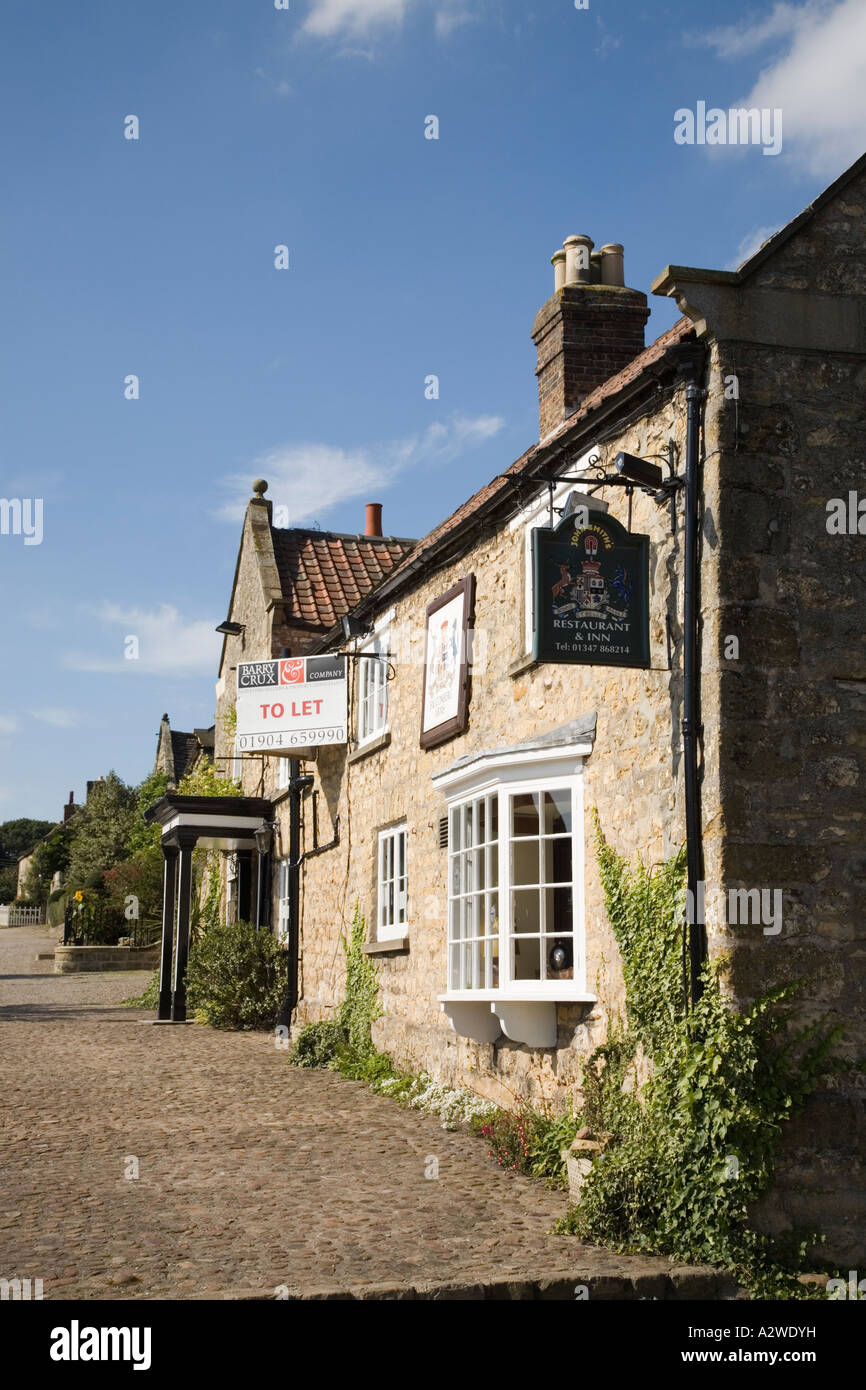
(297, 787)
(690, 360)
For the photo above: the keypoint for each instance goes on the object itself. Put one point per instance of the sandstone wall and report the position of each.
(633, 777)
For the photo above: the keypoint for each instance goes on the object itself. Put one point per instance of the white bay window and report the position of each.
(515, 886)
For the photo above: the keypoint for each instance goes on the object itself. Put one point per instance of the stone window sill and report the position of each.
(399, 946)
(374, 746)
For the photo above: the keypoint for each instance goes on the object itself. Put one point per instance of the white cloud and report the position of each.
(329, 17)
(818, 79)
(279, 87)
(8, 724)
(167, 644)
(54, 715)
(312, 479)
(751, 242)
(738, 40)
(453, 15)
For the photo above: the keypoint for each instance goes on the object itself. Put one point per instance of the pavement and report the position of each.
(160, 1162)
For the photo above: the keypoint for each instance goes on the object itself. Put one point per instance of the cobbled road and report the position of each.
(253, 1177)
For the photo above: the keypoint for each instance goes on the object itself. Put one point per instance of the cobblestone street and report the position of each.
(251, 1174)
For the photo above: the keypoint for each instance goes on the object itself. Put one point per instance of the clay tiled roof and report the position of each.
(644, 361)
(323, 574)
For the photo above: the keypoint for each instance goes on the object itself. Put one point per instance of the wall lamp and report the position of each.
(638, 470)
(231, 629)
(353, 627)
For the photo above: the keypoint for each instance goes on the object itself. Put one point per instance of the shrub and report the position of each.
(236, 977)
(318, 1043)
(691, 1149)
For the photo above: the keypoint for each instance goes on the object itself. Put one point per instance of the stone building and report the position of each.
(468, 845)
(178, 753)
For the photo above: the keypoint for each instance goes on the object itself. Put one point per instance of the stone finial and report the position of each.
(260, 487)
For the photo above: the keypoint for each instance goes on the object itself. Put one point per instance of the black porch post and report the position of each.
(170, 853)
(245, 885)
(184, 904)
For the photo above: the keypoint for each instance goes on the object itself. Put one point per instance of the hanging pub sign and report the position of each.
(591, 592)
(290, 703)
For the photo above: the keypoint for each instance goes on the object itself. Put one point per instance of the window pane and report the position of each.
(479, 867)
(524, 861)
(524, 814)
(493, 802)
(454, 966)
(527, 958)
(556, 856)
(468, 872)
(525, 910)
(493, 866)
(491, 914)
(467, 825)
(558, 954)
(454, 840)
(558, 910)
(456, 875)
(482, 822)
(557, 813)
(401, 853)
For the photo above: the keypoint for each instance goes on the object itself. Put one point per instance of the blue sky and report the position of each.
(407, 257)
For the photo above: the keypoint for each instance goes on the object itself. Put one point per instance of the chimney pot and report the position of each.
(584, 334)
(612, 269)
(557, 260)
(374, 519)
(577, 259)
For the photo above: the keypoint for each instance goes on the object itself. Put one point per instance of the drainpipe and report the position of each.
(689, 359)
(297, 786)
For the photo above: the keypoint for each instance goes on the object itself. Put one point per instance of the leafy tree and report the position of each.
(16, 836)
(203, 781)
(139, 878)
(8, 883)
(142, 835)
(100, 831)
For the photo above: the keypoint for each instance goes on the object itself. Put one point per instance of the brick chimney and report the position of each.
(590, 328)
(374, 519)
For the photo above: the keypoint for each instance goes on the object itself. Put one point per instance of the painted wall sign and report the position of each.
(289, 703)
(445, 705)
(591, 593)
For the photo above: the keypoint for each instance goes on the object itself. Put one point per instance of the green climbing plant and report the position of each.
(691, 1148)
(345, 1043)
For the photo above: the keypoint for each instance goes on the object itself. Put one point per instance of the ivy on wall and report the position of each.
(690, 1150)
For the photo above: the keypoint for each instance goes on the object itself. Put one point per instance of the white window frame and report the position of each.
(373, 676)
(390, 909)
(284, 900)
(537, 514)
(503, 776)
(282, 779)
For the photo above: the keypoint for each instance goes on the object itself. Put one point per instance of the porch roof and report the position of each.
(217, 822)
